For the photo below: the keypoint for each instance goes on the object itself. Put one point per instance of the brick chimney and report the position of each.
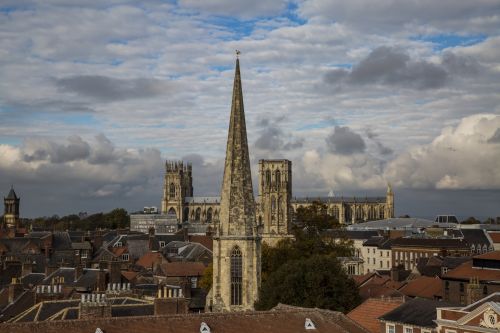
(94, 306)
(115, 272)
(27, 267)
(15, 289)
(170, 301)
(101, 277)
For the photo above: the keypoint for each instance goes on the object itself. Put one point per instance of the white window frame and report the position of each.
(407, 329)
(125, 257)
(388, 328)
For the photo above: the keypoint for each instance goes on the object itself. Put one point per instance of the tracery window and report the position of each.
(172, 190)
(209, 215)
(236, 276)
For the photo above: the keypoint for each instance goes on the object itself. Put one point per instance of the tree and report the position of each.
(206, 279)
(317, 281)
(471, 220)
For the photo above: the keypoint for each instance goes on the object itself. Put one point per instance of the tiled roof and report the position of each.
(466, 271)
(494, 255)
(495, 236)
(278, 320)
(203, 240)
(149, 259)
(183, 268)
(368, 312)
(441, 243)
(423, 287)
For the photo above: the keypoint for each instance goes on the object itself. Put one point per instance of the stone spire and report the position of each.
(237, 212)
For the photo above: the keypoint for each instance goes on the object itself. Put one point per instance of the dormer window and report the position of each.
(204, 328)
(309, 325)
(118, 244)
(125, 257)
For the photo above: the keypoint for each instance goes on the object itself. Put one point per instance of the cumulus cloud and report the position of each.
(344, 141)
(462, 157)
(112, 89)
(392, 67)
(273, 138)
(65, 177)
(392, 16)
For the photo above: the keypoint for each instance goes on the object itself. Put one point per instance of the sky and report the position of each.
(96, 95)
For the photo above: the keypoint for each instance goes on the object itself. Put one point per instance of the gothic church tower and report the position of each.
(178, 184)
(11, 210)
(236, 242)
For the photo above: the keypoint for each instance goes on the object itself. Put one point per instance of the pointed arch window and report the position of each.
(268, 178)
(198, 214)
(278, 179)
(209, 215)
(172, 190)
(236, 276)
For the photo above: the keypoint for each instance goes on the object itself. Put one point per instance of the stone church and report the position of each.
(275, 206)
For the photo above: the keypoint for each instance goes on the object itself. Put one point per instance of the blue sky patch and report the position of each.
(443, 41)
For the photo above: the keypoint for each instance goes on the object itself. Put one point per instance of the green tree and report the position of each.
(471, 220)
(206, 279)
(317, 281)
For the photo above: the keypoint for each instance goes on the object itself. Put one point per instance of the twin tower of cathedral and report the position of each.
(240, 224)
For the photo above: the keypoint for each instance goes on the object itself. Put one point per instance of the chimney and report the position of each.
(97, 239)
(151, 232)
(27, 267)
(186, 287)
(115, 272)
(101, 277)
(395, 274)
(15, 289)
(94, 306)
(170, 301)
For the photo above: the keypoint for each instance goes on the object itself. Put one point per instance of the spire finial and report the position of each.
(238, 52)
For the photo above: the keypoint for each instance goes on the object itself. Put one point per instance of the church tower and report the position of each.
(236, 242)
(275, 193)
(178, 185)
(11, 210)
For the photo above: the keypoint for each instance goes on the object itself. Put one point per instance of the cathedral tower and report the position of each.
(237, 244)
(275, 193)
(177, 186)
(11, 209)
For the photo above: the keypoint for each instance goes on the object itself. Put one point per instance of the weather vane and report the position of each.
(238, 53)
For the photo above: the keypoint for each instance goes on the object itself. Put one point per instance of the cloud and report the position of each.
(71, 176)
(460, 158)
(408, 16)
(392, 67)
(239, 8)
(112, 89)
(344, 141)
(382, 149)
(274, 139)
(495, 138)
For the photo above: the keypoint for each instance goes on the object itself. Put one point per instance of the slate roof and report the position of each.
(442, 243)
(418, 311)
(32, 279)
(61, 241)
(367, 313)
(339, 199)
(398, 223)
(12, 194)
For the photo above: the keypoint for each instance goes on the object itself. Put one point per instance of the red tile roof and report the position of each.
(368, 312)
(424, 287)
(495, 236)
(275, 321)
(206, 241)
(494, 255)
(150, 259)
(183, 268)
(466, 271)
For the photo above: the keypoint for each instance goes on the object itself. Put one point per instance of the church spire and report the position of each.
(237, 215)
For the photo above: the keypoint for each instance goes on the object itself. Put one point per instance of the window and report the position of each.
(209, 215)
(118, 244)
(390, 329)
(408, 330)
(197, 214)
(236, 276)
(268, 178)
(172, 190)
(278, 178)
(125, 257)
(162, 244)
(194, 282)
(462, 288)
